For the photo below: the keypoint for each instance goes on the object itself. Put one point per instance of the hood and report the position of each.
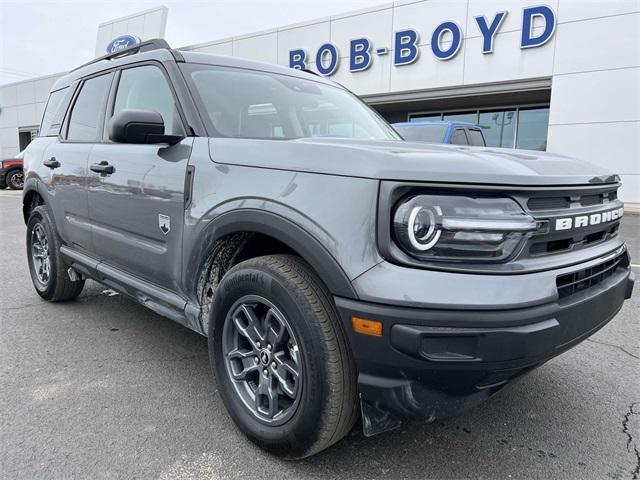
(408, 161)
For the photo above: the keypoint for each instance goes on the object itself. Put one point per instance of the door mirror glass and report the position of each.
(139, 126)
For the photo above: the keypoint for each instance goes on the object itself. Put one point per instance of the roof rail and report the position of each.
(146, 46)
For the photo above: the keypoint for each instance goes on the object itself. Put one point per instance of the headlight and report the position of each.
(446, 228)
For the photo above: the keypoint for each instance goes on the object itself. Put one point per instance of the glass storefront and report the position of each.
(499, 127)
(519, 127)
(533, 124)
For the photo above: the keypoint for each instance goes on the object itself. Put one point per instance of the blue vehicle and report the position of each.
(437, 131)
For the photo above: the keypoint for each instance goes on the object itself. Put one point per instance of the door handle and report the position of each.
(102, 167)
(51, 163)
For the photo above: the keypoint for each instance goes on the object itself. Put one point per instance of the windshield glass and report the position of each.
(423, 133)
(252, 104)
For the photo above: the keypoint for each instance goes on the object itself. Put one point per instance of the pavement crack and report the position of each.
(614, 346)
(40, 303)
(631, 444)
(153, 360)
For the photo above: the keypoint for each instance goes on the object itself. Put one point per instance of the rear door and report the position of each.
(137, 212)
(66, 160)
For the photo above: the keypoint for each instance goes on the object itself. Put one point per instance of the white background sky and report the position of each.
(44, 37)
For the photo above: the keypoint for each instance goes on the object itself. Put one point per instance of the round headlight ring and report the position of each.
(432, 235)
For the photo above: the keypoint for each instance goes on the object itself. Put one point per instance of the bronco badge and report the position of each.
(588, 220)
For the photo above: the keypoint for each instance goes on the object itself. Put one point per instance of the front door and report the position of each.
(137, 206)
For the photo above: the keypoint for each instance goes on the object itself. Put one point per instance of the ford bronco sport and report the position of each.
(337, 271)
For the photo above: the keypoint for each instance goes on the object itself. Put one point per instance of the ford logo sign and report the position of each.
(122, 42)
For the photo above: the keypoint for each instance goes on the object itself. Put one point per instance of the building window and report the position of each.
(469, 117)
(533, 124)
(437, 116)
(25, 135)
(515, 127)
(499, 128)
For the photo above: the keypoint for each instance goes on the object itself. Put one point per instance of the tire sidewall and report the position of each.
(295, 436)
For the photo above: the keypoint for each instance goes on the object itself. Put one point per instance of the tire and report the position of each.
(15, 179)
(46, 265)
(319, 406)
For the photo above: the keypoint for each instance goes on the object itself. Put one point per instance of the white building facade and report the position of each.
(556, 75)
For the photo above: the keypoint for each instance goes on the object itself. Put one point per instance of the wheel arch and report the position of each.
(31, 198)
(287, 233)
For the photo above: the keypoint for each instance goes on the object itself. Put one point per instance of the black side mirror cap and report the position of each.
(140, 127)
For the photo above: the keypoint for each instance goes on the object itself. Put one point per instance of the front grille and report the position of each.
(574, 282)
(580, 240)
(565, 201)
(549, 205)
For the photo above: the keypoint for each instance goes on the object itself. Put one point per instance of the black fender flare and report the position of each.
(31, 186)
(283, 230)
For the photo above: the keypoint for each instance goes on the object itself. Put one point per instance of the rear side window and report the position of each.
(459, 137)
(54, 112)
(88, 110)
(475, 138)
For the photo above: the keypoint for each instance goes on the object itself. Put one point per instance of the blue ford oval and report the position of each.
(122, 42)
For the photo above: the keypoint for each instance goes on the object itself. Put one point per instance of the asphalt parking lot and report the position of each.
(104, 388)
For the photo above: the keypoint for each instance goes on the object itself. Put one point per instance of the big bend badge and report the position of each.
(164, 222)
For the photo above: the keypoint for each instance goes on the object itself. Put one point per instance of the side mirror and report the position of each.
(139, 126)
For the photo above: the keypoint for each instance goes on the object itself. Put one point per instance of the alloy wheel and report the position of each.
(17, 180)
(262, 359)
(40, 254)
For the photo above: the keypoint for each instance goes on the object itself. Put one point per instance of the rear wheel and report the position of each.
(281, 358)
(15, 179)
(46, 265)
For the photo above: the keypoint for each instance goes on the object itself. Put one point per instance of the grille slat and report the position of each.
(565, 202)
(548, 203)
(574, 282)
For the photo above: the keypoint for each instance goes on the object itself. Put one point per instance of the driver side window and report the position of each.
(146, 88)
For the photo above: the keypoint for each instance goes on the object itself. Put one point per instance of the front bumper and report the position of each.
(435, 363)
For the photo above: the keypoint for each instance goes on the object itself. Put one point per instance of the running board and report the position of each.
(162, 301)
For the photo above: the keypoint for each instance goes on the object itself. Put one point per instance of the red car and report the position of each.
(11, 174)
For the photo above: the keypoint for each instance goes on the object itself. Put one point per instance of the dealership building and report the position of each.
(556, 75)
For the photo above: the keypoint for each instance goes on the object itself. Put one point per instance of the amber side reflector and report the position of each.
(366, 327)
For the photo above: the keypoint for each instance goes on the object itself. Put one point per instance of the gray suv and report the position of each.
(338, 272)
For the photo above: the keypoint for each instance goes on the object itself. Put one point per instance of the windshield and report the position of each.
(252, 104)
(423, 133)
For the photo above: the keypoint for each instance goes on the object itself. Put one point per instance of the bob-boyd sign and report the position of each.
(406, 48)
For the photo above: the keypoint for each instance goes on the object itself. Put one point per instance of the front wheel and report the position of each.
(46, 265)
(281, 358)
